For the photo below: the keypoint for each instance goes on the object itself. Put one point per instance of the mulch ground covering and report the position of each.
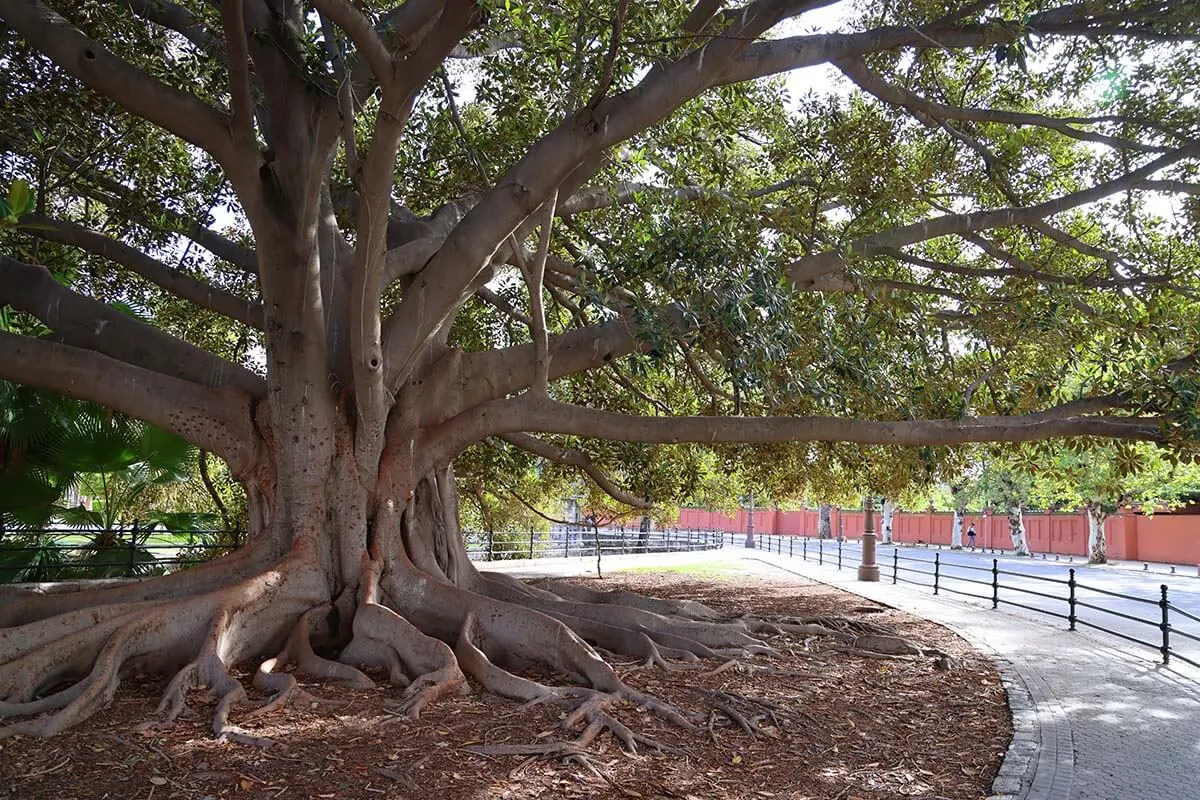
(823, 724)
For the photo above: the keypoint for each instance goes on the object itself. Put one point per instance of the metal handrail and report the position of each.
(1033, 592)
(1035, 609)
(1120, 614)
(1045, 578)
(1125, 636)
(1180, 611)
(1118, 595)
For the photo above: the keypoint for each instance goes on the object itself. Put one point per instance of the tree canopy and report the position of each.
(648, 242)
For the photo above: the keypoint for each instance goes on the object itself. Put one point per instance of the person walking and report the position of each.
(971, 535)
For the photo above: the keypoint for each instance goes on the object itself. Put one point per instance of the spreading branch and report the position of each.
(534, 275)
(553, 417)
(549, 164)
(142, 95)
(805, 270)
(88, 324)
(177, 18)
(360, 30)
(238, 58)
(856, 69)
(217, 420)
(574, 458)
(174, 281)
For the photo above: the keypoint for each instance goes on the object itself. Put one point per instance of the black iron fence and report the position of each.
(1162, 620)
(61, 554)
(585, 541)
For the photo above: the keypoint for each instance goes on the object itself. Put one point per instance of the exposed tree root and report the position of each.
(589, 705)
(383, 638)
(20, 606)
(57, 671)
(683, 609)
(298, 652)
(753, 716)
(68, 678)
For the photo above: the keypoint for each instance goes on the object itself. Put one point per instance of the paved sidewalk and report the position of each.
(1093, 721)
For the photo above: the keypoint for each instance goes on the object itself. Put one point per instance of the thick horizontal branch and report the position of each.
(141, 94)
(525, 414)
(782, 55)
(88, 324)
(174, 281)
(217, 420)
(1171, 187)
(574, 458)
(591, 198)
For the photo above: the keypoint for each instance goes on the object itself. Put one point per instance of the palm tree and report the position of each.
(49, 446)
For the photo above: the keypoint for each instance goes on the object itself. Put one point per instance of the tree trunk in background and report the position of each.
(1097, 543)
(889, 510)
(824, 521)
(1016, 529)
(956, 528)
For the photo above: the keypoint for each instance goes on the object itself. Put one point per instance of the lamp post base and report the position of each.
(868, 570)
(868, 573)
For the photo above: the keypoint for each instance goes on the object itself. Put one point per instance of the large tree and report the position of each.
(447, 222)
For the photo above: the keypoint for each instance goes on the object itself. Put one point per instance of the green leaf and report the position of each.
(20, 197)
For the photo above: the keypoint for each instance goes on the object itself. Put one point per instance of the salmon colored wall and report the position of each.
(1131, 536)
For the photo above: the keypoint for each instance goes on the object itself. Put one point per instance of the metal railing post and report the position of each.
(132, 549)
(821, 552)
(895, 563)
(937, 570)
(1166, 625)
(791, 542)
(1071, 598)
(531, 543)
(995, 583)
(839, 553)
(804, 549)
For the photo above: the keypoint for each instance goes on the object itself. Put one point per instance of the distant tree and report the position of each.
(1101, 477)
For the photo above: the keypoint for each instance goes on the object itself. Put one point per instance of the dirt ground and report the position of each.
(824, 724)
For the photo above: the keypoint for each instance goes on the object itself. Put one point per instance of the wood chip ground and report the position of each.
(826, 724)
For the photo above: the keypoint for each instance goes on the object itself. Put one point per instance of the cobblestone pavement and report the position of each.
(1092, 721)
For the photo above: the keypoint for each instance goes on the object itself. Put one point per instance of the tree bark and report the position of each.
(1097, 541)
(1016, 530)
(824, 521)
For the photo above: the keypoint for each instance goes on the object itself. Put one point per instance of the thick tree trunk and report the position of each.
(824, 521)
(1016, 529)
(1097, 542)
(956, 528)
(889, 510)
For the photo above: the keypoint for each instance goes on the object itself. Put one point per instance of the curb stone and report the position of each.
(1021, 759)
